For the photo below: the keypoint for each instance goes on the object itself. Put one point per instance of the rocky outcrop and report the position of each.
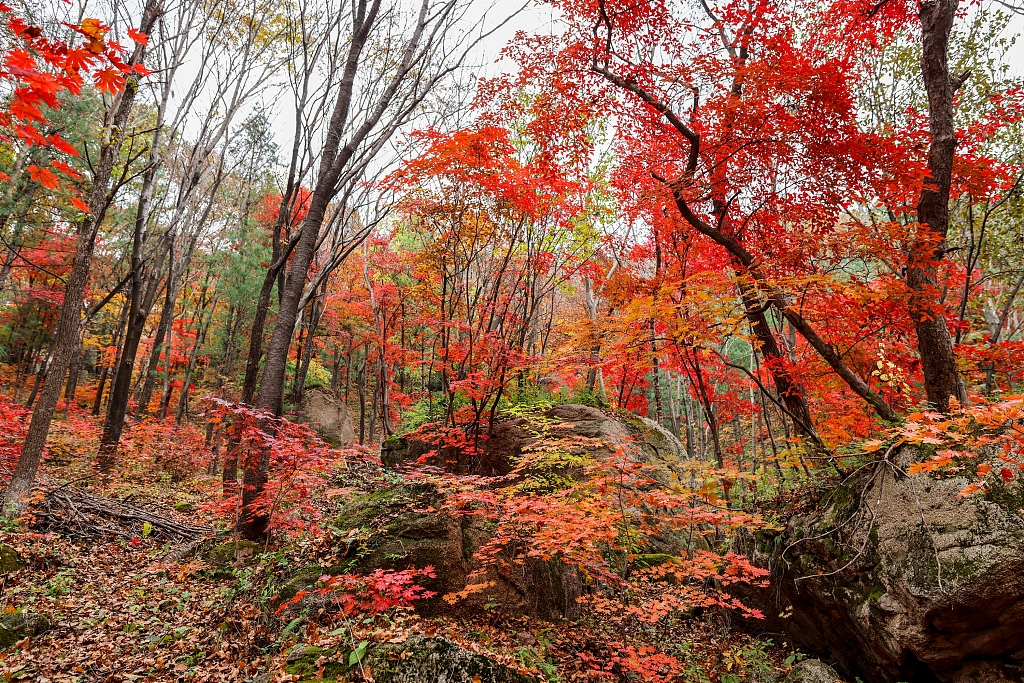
(596, 433)
(404, 525)
(400, 526)
(328, 416)
(416, 660)
(900, 578)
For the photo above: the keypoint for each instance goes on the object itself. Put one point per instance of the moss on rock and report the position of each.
(307, 662)
(417, 660)
(653, 560)
(19, 625)
(233, 551)
(9, 560)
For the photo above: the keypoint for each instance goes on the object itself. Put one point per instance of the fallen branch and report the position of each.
(74, 512)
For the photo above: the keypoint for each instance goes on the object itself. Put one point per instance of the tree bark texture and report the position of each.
(69, 323)
(928, 246)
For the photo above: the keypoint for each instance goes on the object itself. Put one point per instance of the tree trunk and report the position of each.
(659, 408)
(100, 385)
(334, 160)
(361, 381)
(140, 303)
(259, 322)
(162, 331)
(72, 385)
(928, 247)
(44, 368)
(165, 391)
(308, 349)
(121, 319)
(68, 325)
(788, 389)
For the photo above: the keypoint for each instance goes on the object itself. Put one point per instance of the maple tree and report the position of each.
(785, 234)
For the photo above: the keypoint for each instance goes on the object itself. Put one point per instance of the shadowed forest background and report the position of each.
(340, 325)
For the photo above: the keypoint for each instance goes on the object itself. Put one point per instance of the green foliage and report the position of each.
(317, 376)
(60, 584)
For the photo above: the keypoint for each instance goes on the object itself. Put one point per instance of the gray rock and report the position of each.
(812, 671)
(403, 534)
(417, 660)
(19, 625)
(898, 578)
(328, 416)
(436, 660)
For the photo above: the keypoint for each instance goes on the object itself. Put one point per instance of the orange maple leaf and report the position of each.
(138, 36)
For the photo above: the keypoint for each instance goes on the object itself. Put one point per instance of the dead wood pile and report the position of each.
(75, 512)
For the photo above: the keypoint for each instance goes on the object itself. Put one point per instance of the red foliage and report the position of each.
(298, 460)
(369, 595)
(40, 68)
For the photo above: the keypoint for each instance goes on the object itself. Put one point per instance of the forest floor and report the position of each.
(121, 611)
(118, 614)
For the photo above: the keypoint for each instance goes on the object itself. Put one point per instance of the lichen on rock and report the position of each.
(899, 577)
(418, 659)
(19, 625)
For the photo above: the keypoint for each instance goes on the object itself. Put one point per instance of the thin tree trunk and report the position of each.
(373, 408)
(44, 367)
(98, 401)
(193, 358)
(934, 344)
(165, 391)
(162, 332)
(72, 385)
(361, 380)
(140, 303)
(659, 408)
(308, 349)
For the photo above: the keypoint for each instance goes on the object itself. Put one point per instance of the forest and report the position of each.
(466, 341)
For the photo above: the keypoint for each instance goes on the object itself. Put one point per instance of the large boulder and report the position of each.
(416, 660)
(901, 578)
(405, 525)
(579, 428)
(401, 527)
(328, 416)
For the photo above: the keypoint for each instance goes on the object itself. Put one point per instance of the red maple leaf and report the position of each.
(138, 36)
(109, 81)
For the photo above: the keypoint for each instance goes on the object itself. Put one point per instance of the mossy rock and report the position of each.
(398, 532)
(427, 660)
(232, 552)
(305, 579)
(417, 660)
(19, 625)
(306, 662)
(9, 560)
(653, 560)
(184, 506)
